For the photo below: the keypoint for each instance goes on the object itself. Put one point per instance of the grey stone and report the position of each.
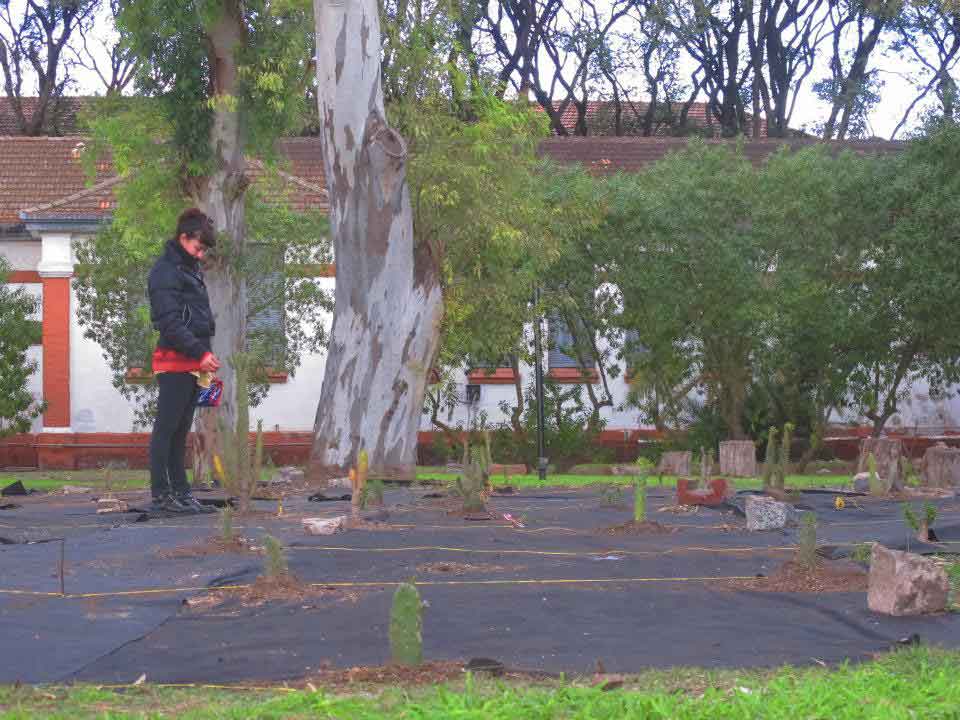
(902, 583)
(628, 470)
(861, 482)
(764, 513)
(325, 526)
(292, 474)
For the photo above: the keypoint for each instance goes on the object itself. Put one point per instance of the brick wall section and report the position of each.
(82, 451)
(73, 451)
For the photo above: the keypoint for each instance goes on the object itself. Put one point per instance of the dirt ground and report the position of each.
(548, 589)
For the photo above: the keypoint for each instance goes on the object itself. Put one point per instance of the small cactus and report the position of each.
(372, 494)
(470, 487)
(781, 468)
(363, 469)
(876, 483)
(406, 623)
(808, 540)
(276, 562)
(770, 462)
(258, 454)
(640, 500)
(226, 524)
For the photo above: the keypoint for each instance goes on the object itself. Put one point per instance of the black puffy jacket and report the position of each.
(179, 306)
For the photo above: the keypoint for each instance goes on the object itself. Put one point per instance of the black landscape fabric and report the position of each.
(556, 595)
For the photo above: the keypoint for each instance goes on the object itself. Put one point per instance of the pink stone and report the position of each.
(903, 583)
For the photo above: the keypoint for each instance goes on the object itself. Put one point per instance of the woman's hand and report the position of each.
(209, 363)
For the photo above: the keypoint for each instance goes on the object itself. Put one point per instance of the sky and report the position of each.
(896, 94)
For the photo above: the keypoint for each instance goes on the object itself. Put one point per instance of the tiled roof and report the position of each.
(40, 170)
(62, 120)
(42, 177)
(600, 120)
(608, 155)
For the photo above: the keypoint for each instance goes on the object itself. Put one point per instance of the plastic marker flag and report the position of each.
(210, 396)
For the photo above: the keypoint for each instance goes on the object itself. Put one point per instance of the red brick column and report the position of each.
(56, 352)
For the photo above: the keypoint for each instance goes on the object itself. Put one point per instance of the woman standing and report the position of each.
(180, 311)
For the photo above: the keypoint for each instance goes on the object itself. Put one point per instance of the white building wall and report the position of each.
(21, 254)
(293, 405)
(96, 406)
(25, 255)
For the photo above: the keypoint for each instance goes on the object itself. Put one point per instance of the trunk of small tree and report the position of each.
(388, 303)
(221, 196)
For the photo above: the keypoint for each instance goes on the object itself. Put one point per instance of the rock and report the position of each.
(904, 583)
(340, 482)
(290, 474)
(325, 526)
(628, 470)
(886, 452)
(861, 482)
(675, 462)
(716, 492)
(75, 490)
(738, 458)
(765, 513)
(111, 505)
(941, 466)
(497, 469)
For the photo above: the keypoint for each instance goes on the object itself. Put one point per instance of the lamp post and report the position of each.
(538, 374)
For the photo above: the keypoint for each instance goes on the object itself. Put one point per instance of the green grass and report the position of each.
(47, 480)
(533, 481)
(916, 683)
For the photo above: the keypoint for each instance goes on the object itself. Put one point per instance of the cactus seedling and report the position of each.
(226, 525)
(363, 469)
(808, 540)
(771, 458)
(877, 484)
(406, 623)
(470, 487)
(781, 468)
(275, 565)
(640, 500)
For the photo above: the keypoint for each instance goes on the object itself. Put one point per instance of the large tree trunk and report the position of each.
(221, 196)
(388, 303)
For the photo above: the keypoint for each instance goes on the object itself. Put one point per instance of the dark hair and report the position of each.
(194, 223)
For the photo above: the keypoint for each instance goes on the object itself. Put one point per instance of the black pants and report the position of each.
(168, 444)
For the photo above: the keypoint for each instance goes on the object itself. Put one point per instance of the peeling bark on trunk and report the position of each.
(221, 196)
(388, 303)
